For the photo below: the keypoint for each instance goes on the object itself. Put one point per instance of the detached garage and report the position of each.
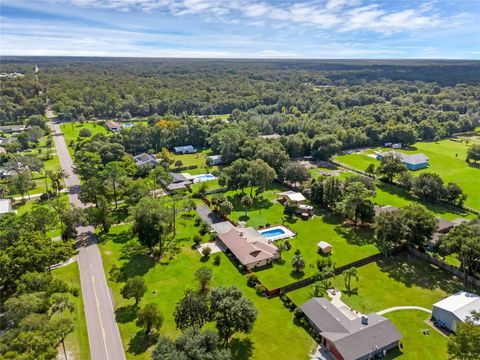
(454, 309)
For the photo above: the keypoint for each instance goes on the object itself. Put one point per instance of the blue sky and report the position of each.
(242, 28)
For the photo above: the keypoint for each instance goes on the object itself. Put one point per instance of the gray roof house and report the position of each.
(145, 159)
(187, 149)
(215, 160)
(383, 209)
(350, 339)
(179, 181)
(412, 161)
(444, 226)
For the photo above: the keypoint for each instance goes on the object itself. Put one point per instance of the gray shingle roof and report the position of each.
(352, 338)
(145, 159)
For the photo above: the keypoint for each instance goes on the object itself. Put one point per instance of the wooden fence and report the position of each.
(337, 271)
(451, 269)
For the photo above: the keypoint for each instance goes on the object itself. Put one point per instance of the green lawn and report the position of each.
(70, 130)
(447, 158)
(26, 205)
(396, 281)
(396, 196)
(348, 244)
(167, 281)
(39, 177)
(399, 281)
(199, 159)
(77, 342)
(415, 345)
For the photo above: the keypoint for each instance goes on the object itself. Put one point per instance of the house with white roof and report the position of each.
(5, 206)
(292, 196)
(187, 149)
(215, 160)
(454, 309)
(411, 161)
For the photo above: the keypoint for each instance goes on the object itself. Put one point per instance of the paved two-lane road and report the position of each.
(103, 334)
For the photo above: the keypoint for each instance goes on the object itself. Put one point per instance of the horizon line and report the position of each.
(236, 58)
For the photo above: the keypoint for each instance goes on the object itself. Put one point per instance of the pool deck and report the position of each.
(286, 235)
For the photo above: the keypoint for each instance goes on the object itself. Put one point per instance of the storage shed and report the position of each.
(454, 309)
(324, 247)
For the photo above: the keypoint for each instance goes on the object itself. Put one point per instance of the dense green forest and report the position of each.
(362, 103)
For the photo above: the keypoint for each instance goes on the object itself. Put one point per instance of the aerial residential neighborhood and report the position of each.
(239, 180)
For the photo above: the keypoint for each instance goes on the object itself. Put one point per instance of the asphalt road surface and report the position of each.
(103, 334)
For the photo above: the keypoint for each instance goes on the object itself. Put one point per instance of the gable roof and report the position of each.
(325, 316)
(293, 195)
(443, 224)
(323, 245)
(112, 124)
(413, 159)
(247, 248)
(184, 148)
(178, 177)
(352, 338)
(145, 159)
(382, 209)
(379, 333)
(460, 304)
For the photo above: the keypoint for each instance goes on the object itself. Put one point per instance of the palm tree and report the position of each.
(298, 263)
(56, 177)
(348, 274)
(324, 277)
(246, 202)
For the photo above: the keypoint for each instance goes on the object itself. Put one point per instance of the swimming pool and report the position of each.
(203, 177)
(276, 233)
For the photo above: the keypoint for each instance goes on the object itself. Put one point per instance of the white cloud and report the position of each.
(235, 28)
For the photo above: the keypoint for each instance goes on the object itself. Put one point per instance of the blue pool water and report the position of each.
(272, 232)
(204, 177)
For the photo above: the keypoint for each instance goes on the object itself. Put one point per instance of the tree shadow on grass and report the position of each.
(244, 218)
(259, 203)
(140, 343)
(120, 214)
(120, 238)
(297, 275)
(126, 313)
(434, 207)
(360, 236)
(138, 265)
(328, 217)
(474, 165)
(394, 353)
(414, 272)
(242, 349)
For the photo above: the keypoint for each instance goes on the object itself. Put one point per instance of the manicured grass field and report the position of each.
(447, 158)
(166, 283)
(71, 130)
(77, 344)
(399, 281)
(348, 244)
(198, 159)
(415, 345)
(393, 195)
